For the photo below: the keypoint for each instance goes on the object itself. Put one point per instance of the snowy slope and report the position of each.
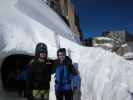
(105, 76)
(14, 23)
(128, 55)
(44, 15)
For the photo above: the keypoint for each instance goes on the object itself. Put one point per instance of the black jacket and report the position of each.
(39, 75)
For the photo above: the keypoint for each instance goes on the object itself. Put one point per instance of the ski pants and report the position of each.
(39, 95)
(64, 95)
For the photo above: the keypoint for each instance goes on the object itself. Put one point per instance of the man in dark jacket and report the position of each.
(39, 74)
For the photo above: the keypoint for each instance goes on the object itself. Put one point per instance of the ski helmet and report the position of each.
(41, 48)
(63, 50)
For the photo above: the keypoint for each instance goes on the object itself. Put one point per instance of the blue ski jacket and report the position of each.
(62, 78)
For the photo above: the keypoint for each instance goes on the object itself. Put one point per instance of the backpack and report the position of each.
(76, 79)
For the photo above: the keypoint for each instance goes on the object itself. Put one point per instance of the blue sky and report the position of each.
(97, 16)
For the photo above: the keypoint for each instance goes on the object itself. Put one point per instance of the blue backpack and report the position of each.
(76, 79)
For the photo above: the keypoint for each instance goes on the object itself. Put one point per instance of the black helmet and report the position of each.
(40, 48)
(63, 50)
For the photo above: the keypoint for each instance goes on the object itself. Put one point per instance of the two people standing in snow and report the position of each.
(39, 75)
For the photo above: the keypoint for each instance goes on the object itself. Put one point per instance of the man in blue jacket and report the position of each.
(64, 71)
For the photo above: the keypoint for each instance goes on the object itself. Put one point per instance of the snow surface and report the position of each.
(128, 55)
(103, 38)
(104, 45)
(105, 75)
(46, 17)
